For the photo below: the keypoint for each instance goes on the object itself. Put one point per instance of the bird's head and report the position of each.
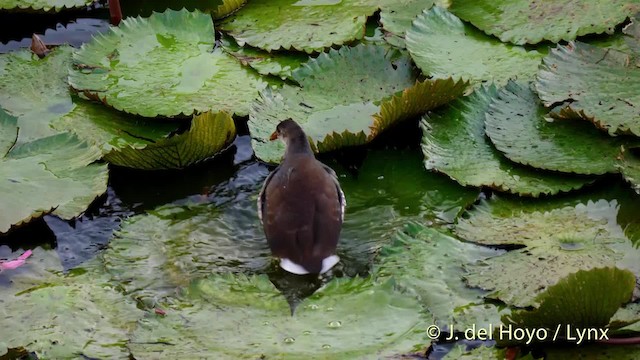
(286, 130)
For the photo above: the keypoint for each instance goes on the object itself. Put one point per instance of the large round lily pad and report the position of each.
(599, 85)
(347, 97)
(517, 125)
(245, 317)
(35, 90)
(164, 66)
(51, 173)
(454, 143)
(530, 22)
(411, 259)
(303, 25)
(443, 46)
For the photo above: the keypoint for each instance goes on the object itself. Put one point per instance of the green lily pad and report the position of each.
(309, 26)
(347, 97)
(398, 178)
(67, 317)
(521, 22)
(517, 125)
(410, 260)
(443, 46)
(111, 130)
(42, 5)
(209, 134)
(455, 144)
(396, 20)
(558, 242)
(582, 300)
(281, 64)
(163, 66)
(51, 174)
(35, 90)
(579, 76)
(347, 318)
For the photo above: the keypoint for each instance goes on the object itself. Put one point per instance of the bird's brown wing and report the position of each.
(261, 195)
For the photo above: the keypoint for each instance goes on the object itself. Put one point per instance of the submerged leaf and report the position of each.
(443, 46)
(454, 143)
(347, 318)
(593, 352)
(347, 97)
(309, 26)
(163, 65)
(209, 134)
(558, 242)
(398, 178)
(68, 316)
(517, 125)
(429, 264)
(53, 173)
(522, 22)
(599, 85)
(582, 300)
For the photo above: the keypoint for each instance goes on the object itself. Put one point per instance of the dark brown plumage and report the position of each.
(301, 206)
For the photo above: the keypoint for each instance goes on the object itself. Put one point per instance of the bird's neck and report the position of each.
(297, 145)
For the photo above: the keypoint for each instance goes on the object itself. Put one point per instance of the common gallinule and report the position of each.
(301, 206)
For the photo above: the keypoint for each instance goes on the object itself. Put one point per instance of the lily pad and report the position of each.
(209, 134)
(163, 66)
(309, 26)
(35, 90)
(345, 319)
(347, 97)
(558, 242)
(582, 300)
(109, 129)
(410, 260)
(396, 20)
(51, 174)
(443, 46)
(281, 63)
(460, 352)
(521, 22)
(42, 5)
(68, 317)
(455, 144)
(517, 125)
(579, 77)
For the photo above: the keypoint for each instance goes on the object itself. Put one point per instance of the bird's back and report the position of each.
(303, 218)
